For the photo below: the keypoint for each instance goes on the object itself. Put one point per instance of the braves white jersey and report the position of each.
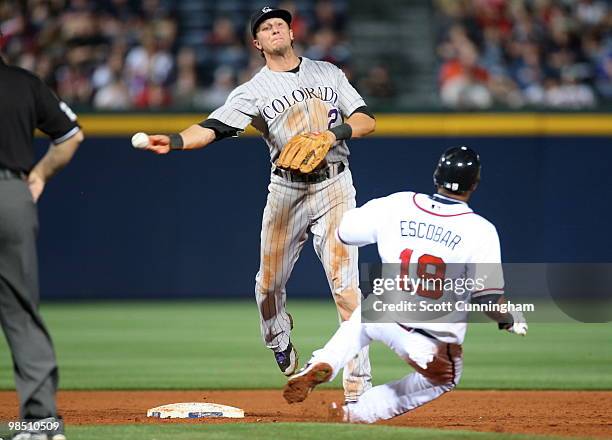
(432, 234)
(283, 104)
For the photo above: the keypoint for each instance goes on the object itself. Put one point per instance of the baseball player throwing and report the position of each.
(439, 231)
(306, 111)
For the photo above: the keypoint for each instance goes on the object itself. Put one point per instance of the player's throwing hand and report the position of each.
(158, 143)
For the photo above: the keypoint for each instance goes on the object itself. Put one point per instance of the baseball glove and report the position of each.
(305, 152)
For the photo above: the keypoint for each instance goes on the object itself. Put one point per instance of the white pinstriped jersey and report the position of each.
(282, 104)
(431, 233)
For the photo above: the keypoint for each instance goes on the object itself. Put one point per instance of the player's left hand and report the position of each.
(305, 152)
(519, 327)
(36, 183)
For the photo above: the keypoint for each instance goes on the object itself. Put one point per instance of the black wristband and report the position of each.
(176, 141)
(506, 324)
(342, 131)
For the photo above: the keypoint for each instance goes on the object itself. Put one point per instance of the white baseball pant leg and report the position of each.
(393, 398)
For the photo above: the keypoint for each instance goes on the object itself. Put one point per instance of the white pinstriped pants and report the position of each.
(293, 209)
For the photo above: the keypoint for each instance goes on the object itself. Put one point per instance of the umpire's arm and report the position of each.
(56, 158)
(58, 121)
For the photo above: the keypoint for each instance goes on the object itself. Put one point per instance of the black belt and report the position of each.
(6, 174)
(317, 176)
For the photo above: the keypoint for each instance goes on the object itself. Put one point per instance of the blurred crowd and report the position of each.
(190, 54)
(518, 53)
(155, 54)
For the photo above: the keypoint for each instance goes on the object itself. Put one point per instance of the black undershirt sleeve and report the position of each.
(365, 110)
(221, 130)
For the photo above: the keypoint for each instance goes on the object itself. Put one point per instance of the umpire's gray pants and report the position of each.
(34, 362)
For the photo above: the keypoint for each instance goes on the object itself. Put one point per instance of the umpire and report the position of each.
(27, 103)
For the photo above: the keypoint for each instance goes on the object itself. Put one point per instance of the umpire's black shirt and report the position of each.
(27, 103)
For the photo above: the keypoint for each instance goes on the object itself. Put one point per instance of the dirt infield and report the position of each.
(568, 413)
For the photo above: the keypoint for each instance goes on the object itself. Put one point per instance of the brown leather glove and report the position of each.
(441, 370)
(304, 152)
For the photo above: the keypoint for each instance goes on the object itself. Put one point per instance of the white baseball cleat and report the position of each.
(301, 384)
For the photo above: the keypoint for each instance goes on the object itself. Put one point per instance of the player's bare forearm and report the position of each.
(500, 318)
(57, 157)
(197, 136)
(191, 138)
(513, 321)
(361, 124)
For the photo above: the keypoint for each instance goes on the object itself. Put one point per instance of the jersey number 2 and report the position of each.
(423, 262)
(333, 117)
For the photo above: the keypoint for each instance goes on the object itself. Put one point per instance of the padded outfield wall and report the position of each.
(122, 223)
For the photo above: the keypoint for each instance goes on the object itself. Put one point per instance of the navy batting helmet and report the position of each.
(458, 169)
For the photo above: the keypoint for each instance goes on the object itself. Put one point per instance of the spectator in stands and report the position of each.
(378, 83)
(549, 52)
(226, 46)
(256, 62)
(493, 56)
(528, 72)
(111, 70)
(81, 47)
(603, 75)
(568, 93)
(463, 82)
(591, 12)
(73, 77)
(92, 50)
(186, 86)
(112, 92)
(327, 15)
(326, 47)
(153, 96)
(299, 24)
(114, 95)
(147, 65)
(215, 95)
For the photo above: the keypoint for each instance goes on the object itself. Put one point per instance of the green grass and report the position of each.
(294, 431)
(216, 345)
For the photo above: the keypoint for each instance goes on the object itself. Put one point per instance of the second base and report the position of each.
(194, 410)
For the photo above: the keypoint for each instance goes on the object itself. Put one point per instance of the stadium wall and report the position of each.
(122, 223)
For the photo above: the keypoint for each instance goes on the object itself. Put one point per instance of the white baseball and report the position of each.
(140, 140)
